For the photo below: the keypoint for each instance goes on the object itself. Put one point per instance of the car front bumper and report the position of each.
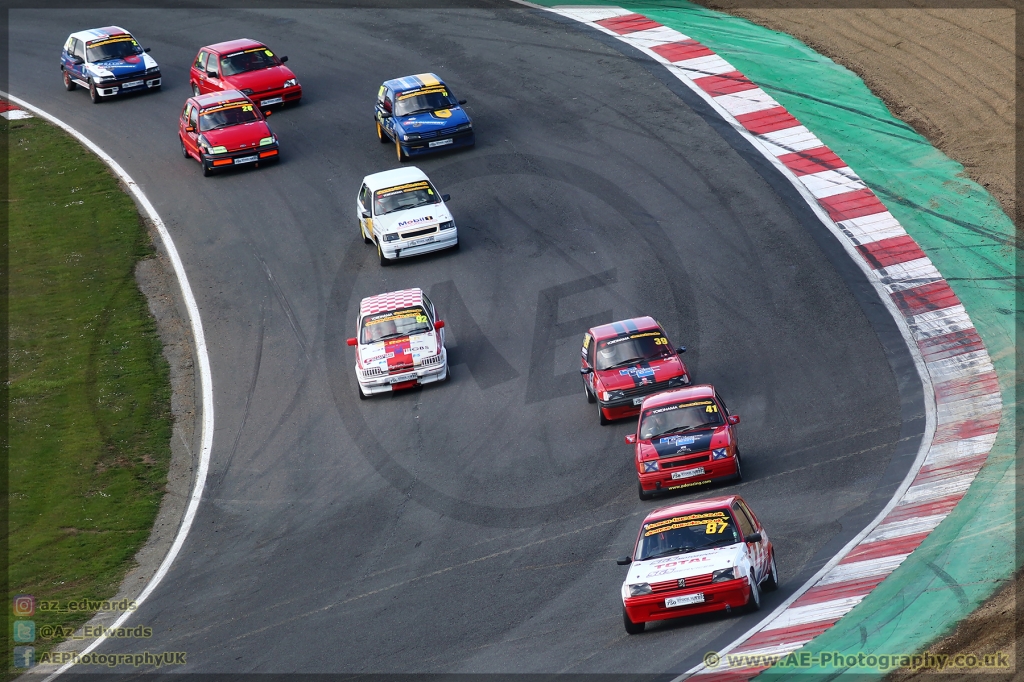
(416, 147)
(242, 157)
(714, 471)
(620, 408)
(417, 376)
(122, 86)
(733, 594)
(270, 98)
(443, 239)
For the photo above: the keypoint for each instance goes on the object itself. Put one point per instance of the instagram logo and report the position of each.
(24, 605)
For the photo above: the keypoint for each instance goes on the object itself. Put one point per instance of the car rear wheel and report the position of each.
(94, 94)
(69, 84)
(754, 602)
(590, 396)
(631, 627)
(772, 583)
(645, 495)
(381, 135)
(384, 260)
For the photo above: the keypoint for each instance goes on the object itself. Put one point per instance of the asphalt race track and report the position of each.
(473, 526)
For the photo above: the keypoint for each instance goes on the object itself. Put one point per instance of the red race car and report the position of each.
(698, 557)
(685, 438)
(247, 66)
(225, 129)
(625, 361)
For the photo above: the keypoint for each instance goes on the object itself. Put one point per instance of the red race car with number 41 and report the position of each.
(685, 439)
(625, 361)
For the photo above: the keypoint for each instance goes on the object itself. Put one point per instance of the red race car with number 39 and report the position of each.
(625, 361)
(684, 439)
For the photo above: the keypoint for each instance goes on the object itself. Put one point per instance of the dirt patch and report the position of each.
(949, 73)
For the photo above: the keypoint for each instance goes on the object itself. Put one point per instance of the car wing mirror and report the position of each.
(446, 197)
(631, 439)
(439, 324)
(284, 59)
(734, 419)
(624, 560)
(680, 350)
(146, 49)
(211, 74)
(585, 370)
(462, 101)
(365, 214)
(77, 60)
(753, 537)
(351, 342)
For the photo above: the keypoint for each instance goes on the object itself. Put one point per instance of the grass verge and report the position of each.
(89, 409)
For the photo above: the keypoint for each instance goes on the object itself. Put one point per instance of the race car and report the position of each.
(108, 61)
(684, 439)
(625, 361)
(225, 129)
(404, 215)
(400, 343)
(698, 557)
(419, 115)
(248, 66)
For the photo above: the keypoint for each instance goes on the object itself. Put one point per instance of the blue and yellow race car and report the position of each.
(419, 115)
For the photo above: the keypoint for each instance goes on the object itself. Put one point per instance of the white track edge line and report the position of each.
(205, 377)
(901, 323)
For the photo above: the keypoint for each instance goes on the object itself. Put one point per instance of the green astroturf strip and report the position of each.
(89, 412)
(970, 240)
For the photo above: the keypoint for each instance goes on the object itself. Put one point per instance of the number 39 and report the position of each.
(661, 341)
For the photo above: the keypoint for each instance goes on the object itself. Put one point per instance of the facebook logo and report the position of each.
(24, 656)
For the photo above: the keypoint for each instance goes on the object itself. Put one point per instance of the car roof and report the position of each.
(679, 394)
(393, 178)
(613, 329)
(233, 45)
(219, 97)
(692, 507)
(421, 80)
(393, 300)
(99, 33)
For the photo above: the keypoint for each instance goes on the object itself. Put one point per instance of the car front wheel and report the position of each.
(631, 627)
(590, 396)
(772, 583)
(401, 154)
(645, 495)
(381, 135)
(94, 94)
(605, 421)
(184, 150)
(754, 602)
(195, 90)
(69, 84)
(384, 260)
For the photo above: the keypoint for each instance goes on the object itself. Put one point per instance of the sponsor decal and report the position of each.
(423, 91)
(637, 372)
(414, 221)
(714, 523)
(400, 189)
(689, 485)
(123, 38)
(679, 440)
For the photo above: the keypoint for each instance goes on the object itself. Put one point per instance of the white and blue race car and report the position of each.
(108, 61)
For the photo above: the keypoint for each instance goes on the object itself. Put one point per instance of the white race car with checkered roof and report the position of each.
(400, 343)
(403, 214)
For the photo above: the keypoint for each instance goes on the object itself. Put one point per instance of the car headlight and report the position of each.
(723, 574)
(677, 381)
(153, 69)
(719, 453)
(267, 140)
(411, 136)
(290, 83)
(650, 467)
(462, 127)
(638, 589)
(446, 225)
(612, 395)
(217, 150)
(246, 91)
(392, 237)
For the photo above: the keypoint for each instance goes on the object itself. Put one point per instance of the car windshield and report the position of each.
(393, 324)
(420, 101)
(399, 198)
(686, 533)
(227, 115)
(115, 48)
(672, 419)
(631, 349)
(248, 60)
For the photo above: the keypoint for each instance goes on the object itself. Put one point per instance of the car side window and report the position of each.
(69, 44)
(749, 514)
(742, 521)
(76, 48)
(722, 403)
(588, 346)
(364, 198)
(201, 60)
(184, 111)
(193, 118)
(387, 100)
(430, 308)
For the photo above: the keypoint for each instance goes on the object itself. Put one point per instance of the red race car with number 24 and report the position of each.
(225, 129)
(684, 439)
(625, 361)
